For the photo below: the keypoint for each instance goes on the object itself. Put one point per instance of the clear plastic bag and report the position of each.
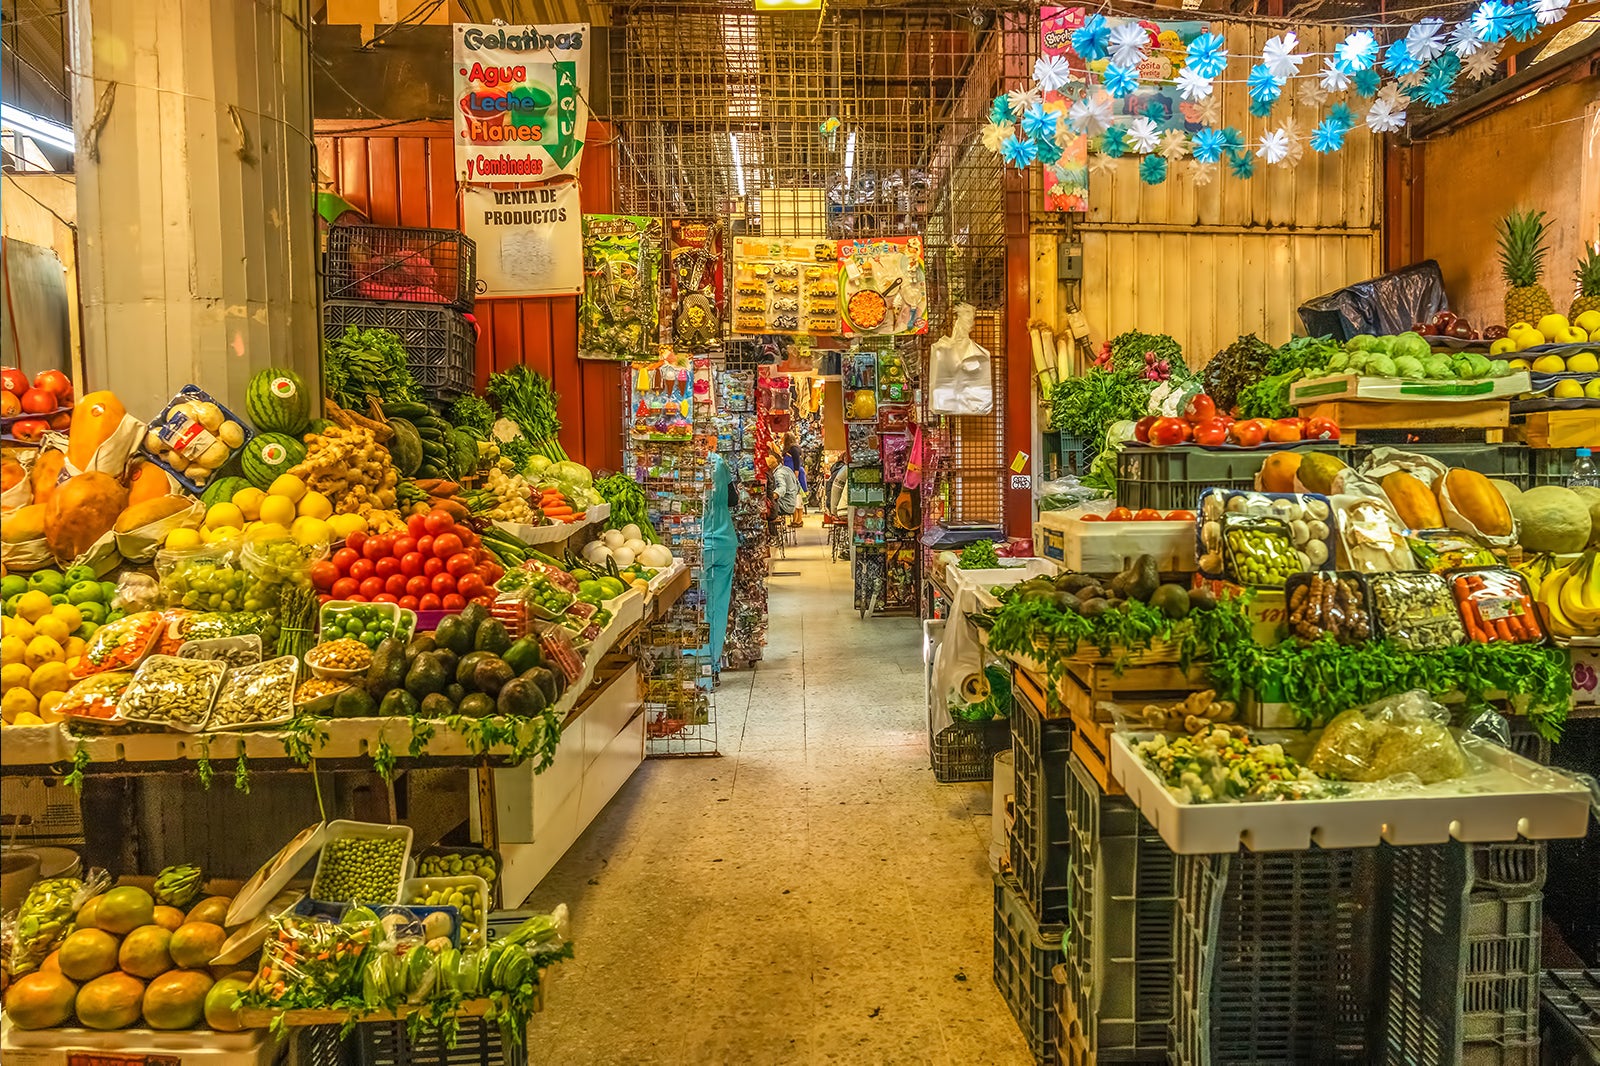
(309, 962)
(1496, 606)
(960, 379)
(1438, 550)
(1394, 740)
(1371, 535)
(45, 914)
(207, 578)
(1064, 494)
(121, 645)
(272, 565)
(1416, 611)
(257, 695)
(173, 692)
(93, 701)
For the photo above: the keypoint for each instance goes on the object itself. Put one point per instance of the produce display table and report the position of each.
(135, 1047)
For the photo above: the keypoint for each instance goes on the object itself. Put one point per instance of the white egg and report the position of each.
(614, 539)
(631, 532)
(635, 545)
(623, 556)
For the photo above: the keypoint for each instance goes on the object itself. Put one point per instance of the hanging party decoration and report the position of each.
(1174, 145)
(1052, 72)
(1208, 55)
(1549, 12)
(1153, 169)
(1128, 42)
(1090, 39)
(1039, 123)
(1066, 155)
(1143, 136)
(1193, 85)
(1425, 40)
(1274, 146)
(1121, 81)
(1278, 56)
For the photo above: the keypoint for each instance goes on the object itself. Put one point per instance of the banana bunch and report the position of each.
(1572, 596)
(178, 886)
(1536, 569)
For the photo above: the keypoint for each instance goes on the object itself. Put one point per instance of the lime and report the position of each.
(84, 592)
(12, 585)
(92, 611)
(87, 629)
(76, 574)
(48, 582)
(10, 607)
(108, 591)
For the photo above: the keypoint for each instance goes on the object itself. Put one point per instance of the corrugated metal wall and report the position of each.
(405, 176)
(1207, 263)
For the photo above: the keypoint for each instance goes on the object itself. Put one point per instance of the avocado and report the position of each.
(354, 702)
(472, 616)
(426, 676)
(1075, 583)
(522, 698)
(436, 705)
(1093, 608)
(468, 663)
(388, 669)
(398, 703)
(1173, 600)
(1201, 600)
(455, 691)
(1066, 603)
(492, 674)
(492, 636)
(453, 633)
(450, 661)
(1139, 581)
(420, 643)
(544, 679)
(477, 705)
(523, 655)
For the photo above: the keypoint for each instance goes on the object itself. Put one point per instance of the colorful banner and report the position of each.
(617, 318)
(1066, 185)
(882, 287)
(530, 241)
(521, 109)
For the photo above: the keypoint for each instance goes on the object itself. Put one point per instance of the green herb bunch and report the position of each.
(1085, 406)
(367, 362)
(473, 413)
(980, 555)
(528, 400)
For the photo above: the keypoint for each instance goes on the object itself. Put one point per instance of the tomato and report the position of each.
(1147, 514)
(443, 584)
(425, 544)
(1321, 429)
(344, 588)
(438, 522)
(1166, 432)
(471, 585)
(61, 420)
(362, 569)
(453, 602)
(357, 598)
(1201, 409)
(29, 430)
(446, 545)
(344, 557)
(458, 564)
(1180, 516)
(386, 567)
(419, 585)
(411, 563)
(1284, 430)
(54, 382)
(408, 602)
(1091, 517)
(355, 540)
(1250, 432)
(468, 537)
(376, 548)
(1211, 433)
(430, 602)
(432, 565)
(1119, 514)
(13, 381)
(39, 401)
(403, 546)
(396, 585)
(384, 597)
(494, 573)
(324, 574)
(371, 587)
(1141, 429)
(415, 525)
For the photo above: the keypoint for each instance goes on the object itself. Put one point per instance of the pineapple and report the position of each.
(1588, 278)
(1522, 250)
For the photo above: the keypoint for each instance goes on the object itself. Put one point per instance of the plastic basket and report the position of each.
(400, 264)
(1272, 957)
(1040, 835)
(1549, 466)
(439, 341)
(1169, 479)
(965, 751)
(478, 1043)
(1463, 981)
(1024, 953)
(1119, 942)
(1571, 1014)
(1570, 887)
(1064, 455)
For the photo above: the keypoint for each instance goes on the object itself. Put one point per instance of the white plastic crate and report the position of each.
(198, 1047)
(1108, 547)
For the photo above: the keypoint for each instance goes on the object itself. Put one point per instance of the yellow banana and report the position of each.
(1535, 570)
(1571, 598)
(1550, 597)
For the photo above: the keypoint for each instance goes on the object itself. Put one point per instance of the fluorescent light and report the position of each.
(37, 127)
(788, 5)
(849, 158)
(738, 162)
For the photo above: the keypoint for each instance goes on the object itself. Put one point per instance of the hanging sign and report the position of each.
(530, 241)
(882, 286)
(1066, 186)
(521, 109)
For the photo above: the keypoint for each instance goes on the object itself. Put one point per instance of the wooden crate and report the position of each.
(1091, 743)
(1085, 685)
(1353, 416)
(1562, 429)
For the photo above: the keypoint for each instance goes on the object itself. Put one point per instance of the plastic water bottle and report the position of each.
(1584, 471)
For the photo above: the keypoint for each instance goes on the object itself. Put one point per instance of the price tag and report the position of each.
(1021, 481)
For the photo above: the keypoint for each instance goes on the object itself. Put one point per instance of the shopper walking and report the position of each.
(721, 552)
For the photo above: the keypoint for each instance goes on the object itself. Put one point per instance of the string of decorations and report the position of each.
(1363, 82)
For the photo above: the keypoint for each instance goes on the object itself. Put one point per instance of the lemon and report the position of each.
(1549, 364)
(1519, 364)
(54, 628)
(69, 614)
(182, 539)
(1551, 324)
(12, 650)
(265, 531)
(15, 675)
(249, 502)
(219, 536)
(74, 647)
(287, 485)
(315, 505)
(1502, 346)
(20, 628)
(278, 508)
(15, 702)
(50, 677)
(28, 718)
(44, 650)
(33, 605)
(309, 530)
(48, 704)
(222, 515)
(1591, 388)
(345, 524)
(1589, 320)
(1583, 363)
(1568, 390)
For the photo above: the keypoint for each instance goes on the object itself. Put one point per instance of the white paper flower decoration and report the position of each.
(1274, 146)
(1208, 111)
(996, 132)
(1143, 135)
(1549, 12)
(1357, 51)
(1128, 42)
(1334, 79)
(1385, 116)
(1279, 57)
(1051, 72)
(1202, 174)
(1193, 86)
(1022, 99)
(1425, 39)
(1464, 40)
(1483, 62)
(1174, 145)
(1092, 114)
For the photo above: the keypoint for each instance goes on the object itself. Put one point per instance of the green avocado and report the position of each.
(469, 662)
(388, 669)
(437, 705)
(521, 698)
(492, 637)
(354, 702)
(477, 705)
(544, 679)
(426, 676)
(523, 655)
(398, 703)
(455, 634)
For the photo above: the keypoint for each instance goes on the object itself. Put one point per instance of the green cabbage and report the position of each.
(1412, 344)
(1408, 366)
(1438, 367)
(1382, 367)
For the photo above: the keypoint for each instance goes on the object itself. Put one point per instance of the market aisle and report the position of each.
(811, 896)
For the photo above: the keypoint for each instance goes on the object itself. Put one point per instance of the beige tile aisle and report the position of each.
(812, 896)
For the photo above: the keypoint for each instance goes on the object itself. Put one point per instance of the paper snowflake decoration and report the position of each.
(1051, 72)
(1207, 54)
(1208, 111)
(1550, 12)
(1115, 142)
(1048, 149)
(1242, 164)
(1090, 39)
(1365, 83)
(1019, 152)
(1386, 115)
(1121, 81)
(1464, 40)
(995, 133)
(1425, 40)
(1357, 51)
(1328, 136)
(1174, 145)
(1398, 60)
(1153, 170)
(1202, 174)
(1297, 143)
(1103, 164)
(1311, 93)
(1092, 114)
(1491, 21)
(1524, 20)
(1208, 144)
(1143, 135)
(1278, 56)
(1483, 62)
(1274, 146)
(1128, 42)
(1039, 123)
(1019, 100)
(1192, 86)
(1436, 85)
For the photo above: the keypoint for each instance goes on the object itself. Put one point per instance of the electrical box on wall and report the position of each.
(1069, 261)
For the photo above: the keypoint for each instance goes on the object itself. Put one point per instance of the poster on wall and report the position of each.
(787, 285)
(617, 317)
(1066, 186)
(882, 286)
(1157, 96)
(521, 104)
(694, 283)
(530, 241)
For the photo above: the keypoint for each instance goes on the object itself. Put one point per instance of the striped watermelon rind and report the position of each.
(268, 455)
(278, 402)
(222, 490)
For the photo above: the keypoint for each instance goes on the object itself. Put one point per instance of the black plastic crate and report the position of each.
(1570, 886)
(1041, 837)
(965, 751)
(392, 264)
(1273, 957)
(1550, 466)
(439, 341)
(1571, 1016)
(1171, 479)
(478, 1043)
(1024, 954)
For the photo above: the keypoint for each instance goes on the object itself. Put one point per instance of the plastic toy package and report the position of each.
(618, 316)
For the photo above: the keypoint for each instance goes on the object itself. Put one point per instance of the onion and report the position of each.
(631, 532)
(635, 545)
(622, 556)
(614, 539)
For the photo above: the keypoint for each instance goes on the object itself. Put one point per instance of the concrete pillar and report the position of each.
(196, 184)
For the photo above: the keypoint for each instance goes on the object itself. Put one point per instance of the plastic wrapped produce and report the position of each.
(309, 962)
(262, 694)
(45, 914)
(173, 692)
(1416, 611)
(1404, 736)
(121, 645)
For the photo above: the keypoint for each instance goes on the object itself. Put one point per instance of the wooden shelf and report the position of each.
(1353, 416)
(1562, 429)
(472, 1008)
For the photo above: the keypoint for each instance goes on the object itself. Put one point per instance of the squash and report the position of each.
(11, 474)
(81, 511)
(1278, 472)
(149, 482)
(1472, 496)
(47, 472)
(405, 447)
(139, 515)
(94, 419)
(1553, 519)
(23, 524)
(1413, 501)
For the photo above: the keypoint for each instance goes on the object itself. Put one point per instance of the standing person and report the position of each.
(721, 551)
(838, 482)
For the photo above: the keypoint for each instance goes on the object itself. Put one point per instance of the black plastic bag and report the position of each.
(1382, 306)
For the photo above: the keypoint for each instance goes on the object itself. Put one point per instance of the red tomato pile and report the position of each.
(434, 565)
(35, 406)
(1146, 514)
(1202, 424)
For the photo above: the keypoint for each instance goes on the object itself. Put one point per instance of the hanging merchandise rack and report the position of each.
(736, 422)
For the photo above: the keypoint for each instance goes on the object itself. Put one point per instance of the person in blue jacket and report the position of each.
(721, 550)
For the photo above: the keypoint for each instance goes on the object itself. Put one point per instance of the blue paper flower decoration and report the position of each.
(1448, 61)
(1263, 84)
(1241, 163)
(1491, 20)
(1208, 144)
(1120, 81)
(1114, 142)
(1342, 116)
(1039, 123)
(1398, 59)
(1048, 149)
(1328, 136)
(1090, 39)
(1366, 82)
(1000, 110)
(1436, 85)
(1153, 170)
(1262, 108)
(1524, 21)
(1207, 55)
(1019, 152)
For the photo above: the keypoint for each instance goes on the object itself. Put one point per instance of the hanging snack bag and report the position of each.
(1438, 550)
(1259, 552)
(1496, 606)
(193, 436)
(1415, 610)
(121, 645)
(1371, 535)
(173, 692)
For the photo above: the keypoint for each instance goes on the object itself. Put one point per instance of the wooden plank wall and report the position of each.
(404, 175)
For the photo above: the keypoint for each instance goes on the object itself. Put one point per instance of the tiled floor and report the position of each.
(811, 896)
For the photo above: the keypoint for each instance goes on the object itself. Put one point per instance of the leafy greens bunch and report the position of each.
(1085, 406)
(1268, 397)
(367, 362)
(528, 401)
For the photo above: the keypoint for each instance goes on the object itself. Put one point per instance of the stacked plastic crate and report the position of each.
(418, 283)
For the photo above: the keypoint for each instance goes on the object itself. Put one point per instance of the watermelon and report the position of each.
(268, 455)
(405, 447)
(318, 425)
(222, 490)
(278, 402)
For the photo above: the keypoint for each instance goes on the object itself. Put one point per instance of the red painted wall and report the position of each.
(404, 175)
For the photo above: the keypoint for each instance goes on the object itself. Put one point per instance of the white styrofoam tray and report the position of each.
(1513, 797)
